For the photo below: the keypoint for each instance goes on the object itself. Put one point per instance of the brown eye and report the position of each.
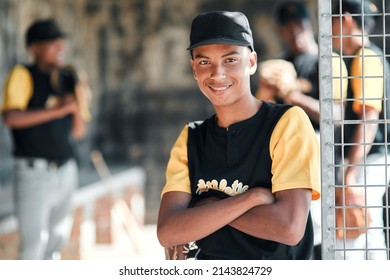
(230, 60)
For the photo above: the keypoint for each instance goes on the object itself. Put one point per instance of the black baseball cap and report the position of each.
(43, 30)
(221, 27)
(355, 7)
(292, 10)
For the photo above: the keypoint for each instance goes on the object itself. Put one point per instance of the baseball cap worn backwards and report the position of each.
(221, 27)
(43, 30)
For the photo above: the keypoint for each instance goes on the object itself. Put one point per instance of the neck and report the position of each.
(240, 111)
(44, 67)
(313, 48)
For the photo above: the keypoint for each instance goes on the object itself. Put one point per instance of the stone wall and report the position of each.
(134, 52)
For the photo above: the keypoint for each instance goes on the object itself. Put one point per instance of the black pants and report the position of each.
(317, 255)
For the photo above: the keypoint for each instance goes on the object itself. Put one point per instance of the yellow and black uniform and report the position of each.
(208, 160)
(372, 68)
(28, 88)
(374, 93)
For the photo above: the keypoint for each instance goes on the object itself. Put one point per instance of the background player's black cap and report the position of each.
(43, 30)
(221, 27)
(292, 10)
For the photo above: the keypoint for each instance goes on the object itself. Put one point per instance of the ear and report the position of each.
(193, 68)
(31, 48)
(252, 62)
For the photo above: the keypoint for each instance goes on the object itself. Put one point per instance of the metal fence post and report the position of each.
(326, 129)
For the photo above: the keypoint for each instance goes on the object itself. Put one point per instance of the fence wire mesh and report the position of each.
(355, 115)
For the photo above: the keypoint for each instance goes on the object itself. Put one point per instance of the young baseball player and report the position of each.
(43, 134)
(239, 183)
(363, 176)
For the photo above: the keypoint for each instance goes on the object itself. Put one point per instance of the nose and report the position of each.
(60, 45)
(218, 71)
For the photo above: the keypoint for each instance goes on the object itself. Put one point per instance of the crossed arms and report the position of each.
(281, 217)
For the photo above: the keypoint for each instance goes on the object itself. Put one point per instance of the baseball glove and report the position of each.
(64, 80)
(181, 252)
(279, 74)
(357, 217)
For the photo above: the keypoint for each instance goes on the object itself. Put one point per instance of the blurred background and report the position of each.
(134, 52)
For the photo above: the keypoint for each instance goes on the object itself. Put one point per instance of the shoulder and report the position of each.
(367, 60)
(372, 50)
(19, 75)
(20, 69)
(201, 124)
(294, 119)
(295, 113)
(275, 110)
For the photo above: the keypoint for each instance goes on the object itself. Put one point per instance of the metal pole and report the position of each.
(326, 129)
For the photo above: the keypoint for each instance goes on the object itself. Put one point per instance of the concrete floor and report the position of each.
(122, 247)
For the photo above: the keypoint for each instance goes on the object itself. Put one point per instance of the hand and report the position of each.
(64, 80)
(350, 197)
(280, 74)
(68, 105)
(356, 217)
(260, 195)
(266, 91)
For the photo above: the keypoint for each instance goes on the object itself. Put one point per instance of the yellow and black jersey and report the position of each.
(28, 88)
(276, 148)
(367, 87)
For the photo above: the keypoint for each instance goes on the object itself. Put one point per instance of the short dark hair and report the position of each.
(292, 10)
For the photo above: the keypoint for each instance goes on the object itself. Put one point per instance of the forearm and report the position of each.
(310, 105)
(363, 138)
(181, 225)
(24, 119)
(280, 222)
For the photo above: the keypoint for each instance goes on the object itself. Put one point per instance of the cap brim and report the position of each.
(223, 41)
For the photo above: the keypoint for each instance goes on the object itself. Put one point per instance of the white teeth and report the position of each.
(220, 88)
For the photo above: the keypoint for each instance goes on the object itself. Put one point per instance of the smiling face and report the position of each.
(48, 54)
(223, 72)
(297, 34)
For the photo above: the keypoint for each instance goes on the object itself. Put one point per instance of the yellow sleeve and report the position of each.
(83, 97)
(340, 77)
(177, 174)
(18, 89)
(294, 151)
(371, 68)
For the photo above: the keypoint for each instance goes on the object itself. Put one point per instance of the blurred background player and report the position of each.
(292, 78)
(47, 112)
(361, 186)
(297, 67)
